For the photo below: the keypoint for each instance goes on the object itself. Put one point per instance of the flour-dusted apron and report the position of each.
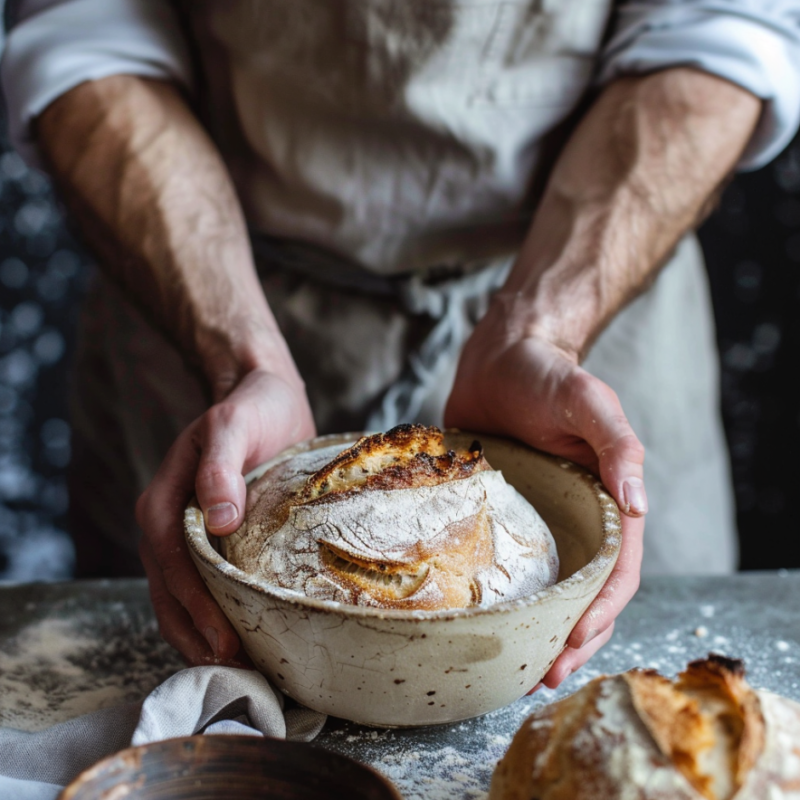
(384, 152)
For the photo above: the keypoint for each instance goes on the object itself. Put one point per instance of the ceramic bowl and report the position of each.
(392, 668)
(222, 767)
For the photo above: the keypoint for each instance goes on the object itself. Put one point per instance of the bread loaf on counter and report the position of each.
(639, 736)
(401, 520)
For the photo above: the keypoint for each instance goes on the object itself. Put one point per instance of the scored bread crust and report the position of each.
(398, 520)
(639, 736)
(405, 457)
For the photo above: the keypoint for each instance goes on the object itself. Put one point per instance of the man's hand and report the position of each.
(639, 171)
(155, 202)
(264, 414)
(530, 390)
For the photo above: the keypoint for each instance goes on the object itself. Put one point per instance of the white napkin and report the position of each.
(214, 700)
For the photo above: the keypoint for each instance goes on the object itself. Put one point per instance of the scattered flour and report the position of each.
(456, 765)
(61, 665)
(456, 762)
(57, 668)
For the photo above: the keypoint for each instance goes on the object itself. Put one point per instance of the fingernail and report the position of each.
(212, 637)
(590, 634)
(634, 496)
(221, 515)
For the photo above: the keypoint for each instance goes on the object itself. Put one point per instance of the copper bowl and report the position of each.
(223, 766)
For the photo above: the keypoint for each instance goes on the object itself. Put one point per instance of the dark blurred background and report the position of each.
(752, 246)
(752, 249)
(43, 273)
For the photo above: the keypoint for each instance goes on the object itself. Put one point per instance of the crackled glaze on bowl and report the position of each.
(392, 668)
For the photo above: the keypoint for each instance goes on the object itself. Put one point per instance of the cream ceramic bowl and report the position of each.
(391, 668)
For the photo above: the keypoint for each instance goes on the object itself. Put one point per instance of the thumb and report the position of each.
(219, 484)
(259, 419)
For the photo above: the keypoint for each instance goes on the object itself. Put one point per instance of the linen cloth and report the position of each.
(208, 700)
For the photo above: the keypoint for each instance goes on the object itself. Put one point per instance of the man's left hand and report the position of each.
(529, 389)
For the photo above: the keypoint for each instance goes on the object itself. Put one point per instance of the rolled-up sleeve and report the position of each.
(54, 45)
(753, 43)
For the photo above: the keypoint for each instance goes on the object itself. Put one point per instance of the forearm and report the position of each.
(641, 169)
(154, 201)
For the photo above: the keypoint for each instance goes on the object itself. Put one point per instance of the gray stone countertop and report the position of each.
(70, 648)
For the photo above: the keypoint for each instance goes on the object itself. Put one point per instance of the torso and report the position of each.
(398, 133)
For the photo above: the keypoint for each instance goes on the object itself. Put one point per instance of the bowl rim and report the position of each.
(223, 741)
(196, 537)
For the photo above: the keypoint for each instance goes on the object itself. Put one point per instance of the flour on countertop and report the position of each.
(669, 653)
(73, 660)
(455, 762)
(433, 770)
(55, 669)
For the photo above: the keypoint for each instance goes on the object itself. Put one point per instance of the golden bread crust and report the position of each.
(707, 735)
(400, 520)
(407, 456)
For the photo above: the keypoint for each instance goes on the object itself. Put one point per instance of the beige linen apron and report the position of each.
(384, 152)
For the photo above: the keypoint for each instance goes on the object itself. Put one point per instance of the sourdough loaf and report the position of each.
(398, 520)
(638, 736)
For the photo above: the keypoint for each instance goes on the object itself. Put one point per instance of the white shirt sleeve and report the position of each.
(753, 43)
(56, 44)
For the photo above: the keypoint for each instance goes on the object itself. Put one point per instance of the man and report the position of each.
(298, 199)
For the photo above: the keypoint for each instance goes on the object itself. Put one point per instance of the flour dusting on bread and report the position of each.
(397, 520)
(706, 735)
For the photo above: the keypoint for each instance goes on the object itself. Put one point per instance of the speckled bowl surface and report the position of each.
(392, 668)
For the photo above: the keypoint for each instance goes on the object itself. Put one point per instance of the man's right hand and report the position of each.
(264, 414)
(155, 202)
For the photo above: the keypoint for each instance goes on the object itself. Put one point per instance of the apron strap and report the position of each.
(441, 293)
